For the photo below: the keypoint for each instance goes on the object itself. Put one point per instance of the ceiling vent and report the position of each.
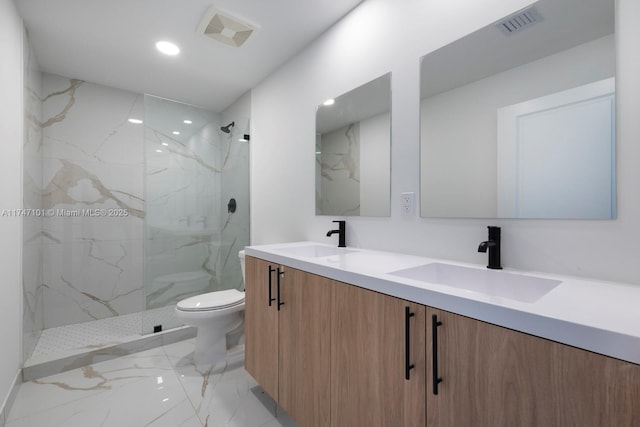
(519, 21)
(225, 28)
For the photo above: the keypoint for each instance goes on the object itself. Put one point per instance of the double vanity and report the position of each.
(351, 337)
(513, 124)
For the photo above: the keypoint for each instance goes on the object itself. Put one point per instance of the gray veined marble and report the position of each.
(338, 192)
(66, 188)
(70, 93)
(92, 162)
(183, 154)
(157, 387)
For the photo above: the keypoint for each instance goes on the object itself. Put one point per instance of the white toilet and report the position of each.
(215, 314)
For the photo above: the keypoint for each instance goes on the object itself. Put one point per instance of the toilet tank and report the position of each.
(241, 256)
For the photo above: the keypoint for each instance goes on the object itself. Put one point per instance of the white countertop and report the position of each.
(593, 315)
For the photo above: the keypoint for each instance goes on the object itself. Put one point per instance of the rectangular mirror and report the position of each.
(518, 119)
(353, 152)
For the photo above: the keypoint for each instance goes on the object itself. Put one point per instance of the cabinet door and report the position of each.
(305, 343)
(493, 376)
(261, 324)
(368, 360)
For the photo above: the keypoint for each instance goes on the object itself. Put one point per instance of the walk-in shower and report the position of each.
(191, 237)
(131, 214)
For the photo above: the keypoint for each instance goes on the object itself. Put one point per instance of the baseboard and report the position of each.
(11, 397)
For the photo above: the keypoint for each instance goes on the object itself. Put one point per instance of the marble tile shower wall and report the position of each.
(92, 192)
(33, 321)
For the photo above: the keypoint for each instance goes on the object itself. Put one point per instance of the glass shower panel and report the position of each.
(191, 237)
(234, 209)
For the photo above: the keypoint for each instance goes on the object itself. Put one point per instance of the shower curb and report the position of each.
(34, 369)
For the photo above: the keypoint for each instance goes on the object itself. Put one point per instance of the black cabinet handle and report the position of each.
(271, 298)
(434, 336)
(280, 274)
(407, 343)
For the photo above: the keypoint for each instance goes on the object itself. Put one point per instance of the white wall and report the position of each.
(378, 37)
(11, 112)
(375, 176)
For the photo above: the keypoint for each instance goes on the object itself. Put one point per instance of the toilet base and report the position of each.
(236, 336)
(211, 343)
(209, 350)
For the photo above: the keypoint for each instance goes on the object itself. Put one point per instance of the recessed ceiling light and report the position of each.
(166, 144)
(158, 151)
(167, 48)
(329, 102)
(188, 122)
(135, 121)
(175, 132)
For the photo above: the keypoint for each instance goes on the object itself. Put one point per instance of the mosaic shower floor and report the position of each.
(100, 333)
(69, 347)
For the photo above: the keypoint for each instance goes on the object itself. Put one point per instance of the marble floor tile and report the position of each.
(157, 387)
(224, 394)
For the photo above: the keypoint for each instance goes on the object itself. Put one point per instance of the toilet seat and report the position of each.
(212, 301)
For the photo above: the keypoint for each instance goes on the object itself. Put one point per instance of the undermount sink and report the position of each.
(313, 251)
(488, 282)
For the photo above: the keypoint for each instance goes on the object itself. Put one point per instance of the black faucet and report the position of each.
(493, 244)
(342, 233)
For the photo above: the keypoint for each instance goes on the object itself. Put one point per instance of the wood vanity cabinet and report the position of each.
(305, 348)
(287, 331)
(493, 376)
(335, 354)
(261, 324)
(370, 333)
(338, 355)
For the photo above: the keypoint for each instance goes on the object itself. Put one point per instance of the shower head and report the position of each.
(227, 128)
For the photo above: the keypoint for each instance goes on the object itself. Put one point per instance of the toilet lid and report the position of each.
(212, 301)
